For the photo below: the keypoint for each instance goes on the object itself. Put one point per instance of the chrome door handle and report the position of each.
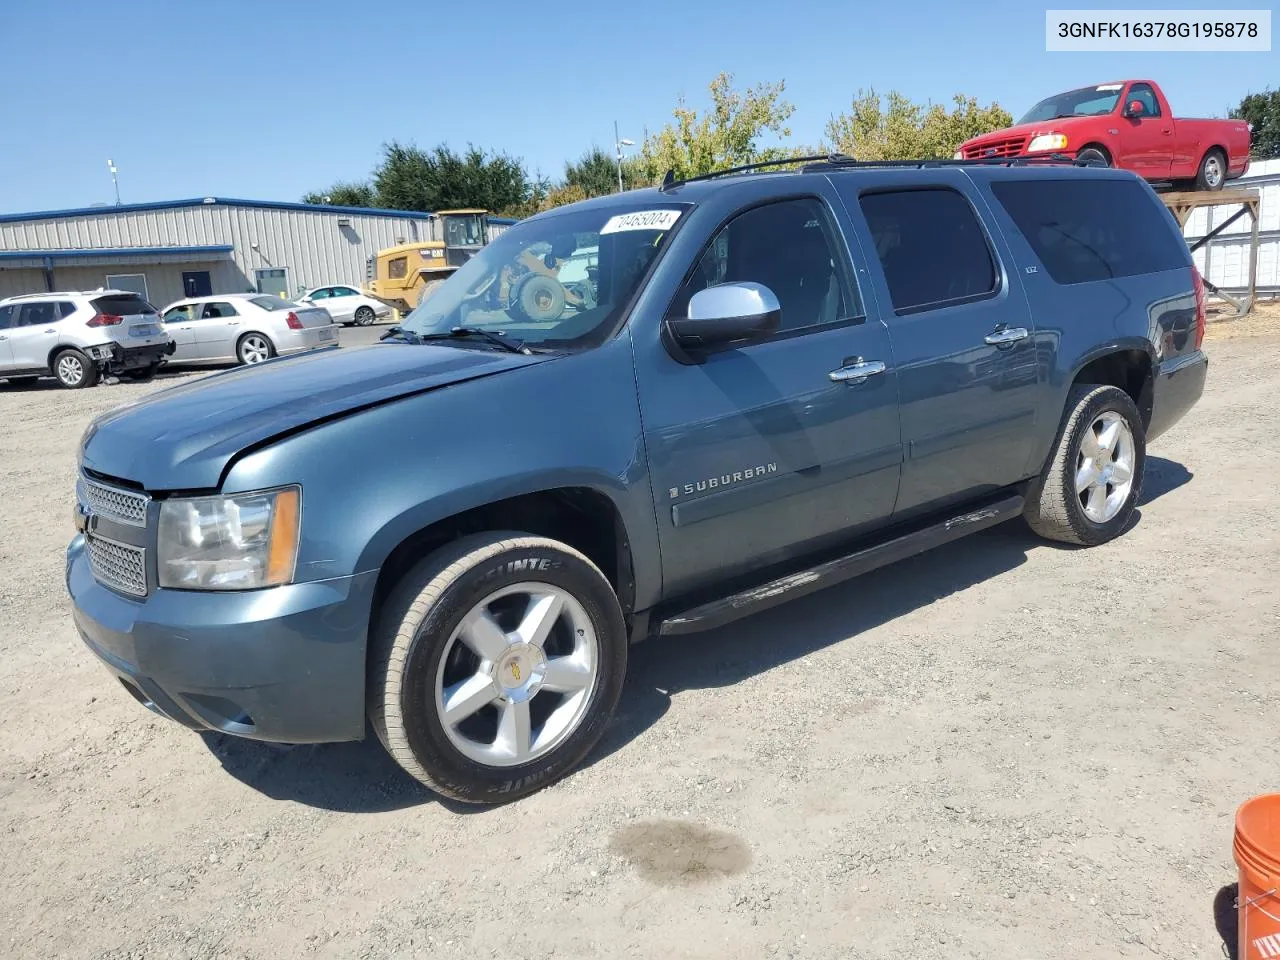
(1007, 335)
(857, 371)
(52, 330)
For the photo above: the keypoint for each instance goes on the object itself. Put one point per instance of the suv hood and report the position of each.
(183, 438)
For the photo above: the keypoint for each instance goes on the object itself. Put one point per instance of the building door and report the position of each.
(135, 282)
(195, 283)
(274, 280)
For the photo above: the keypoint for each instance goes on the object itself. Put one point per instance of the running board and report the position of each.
(726, 610)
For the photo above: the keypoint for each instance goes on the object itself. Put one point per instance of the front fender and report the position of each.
(373, 478)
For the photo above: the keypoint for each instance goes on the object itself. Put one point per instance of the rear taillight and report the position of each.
(104, 320)
(293, 321)
(1197, 282)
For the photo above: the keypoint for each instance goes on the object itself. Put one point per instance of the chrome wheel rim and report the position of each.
(1105, 467)
(517, 675)
(70, 370)
(364, 317)
(1213, 171)
(254, 350)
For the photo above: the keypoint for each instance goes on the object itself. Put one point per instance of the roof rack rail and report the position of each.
(826, 161)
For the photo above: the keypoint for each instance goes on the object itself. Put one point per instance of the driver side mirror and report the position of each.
(1134, 109)
(723, 316)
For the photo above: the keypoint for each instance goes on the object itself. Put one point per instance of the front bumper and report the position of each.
(285, 664)
(1177, 386)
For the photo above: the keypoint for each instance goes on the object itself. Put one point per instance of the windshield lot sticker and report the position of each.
(1109, 86)
(641, 220)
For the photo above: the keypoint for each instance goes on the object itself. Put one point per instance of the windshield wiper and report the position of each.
(408, 336)
(497, 338)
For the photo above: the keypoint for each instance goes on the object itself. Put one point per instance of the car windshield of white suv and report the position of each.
(1086, 102)
(558, 282)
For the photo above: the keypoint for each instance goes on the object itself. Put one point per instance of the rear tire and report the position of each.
(255, 348)
(1090, 486)
(1212, 173)
(73, 370)
(541, 298)
(507, 741)
(430, 287)
(364, 317)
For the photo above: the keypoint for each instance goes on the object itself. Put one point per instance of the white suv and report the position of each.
(79, 337)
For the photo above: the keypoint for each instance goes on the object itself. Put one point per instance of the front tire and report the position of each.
(1094, 156)
(1090, 486)
(73, 370)
(496, 665)
(364, 317)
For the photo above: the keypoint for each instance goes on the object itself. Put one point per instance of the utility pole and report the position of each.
(114, 180)
(618, 144)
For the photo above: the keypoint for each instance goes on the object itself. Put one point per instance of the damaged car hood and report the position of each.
(183, 438)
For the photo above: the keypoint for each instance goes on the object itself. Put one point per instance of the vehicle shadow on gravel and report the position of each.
(663, 666)
(362, 778)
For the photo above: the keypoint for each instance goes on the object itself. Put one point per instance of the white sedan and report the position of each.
(244, 327)
(347, 304)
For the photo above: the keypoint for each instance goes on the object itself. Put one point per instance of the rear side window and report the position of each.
(65, 308)
(931, 246)
(123, 305)
(38, 314)
(1088, 230)
(268, 302)
(214, 311)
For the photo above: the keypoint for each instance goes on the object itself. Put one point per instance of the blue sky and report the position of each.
(269, 99)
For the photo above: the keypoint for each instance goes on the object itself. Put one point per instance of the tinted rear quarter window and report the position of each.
(1086, 230)
(932, 248)
(123, 306)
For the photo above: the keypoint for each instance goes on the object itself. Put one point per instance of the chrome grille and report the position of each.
(118, 566)
(123, 506)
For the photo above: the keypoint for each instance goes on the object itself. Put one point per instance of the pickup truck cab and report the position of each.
(1126, 124)
(778, 381)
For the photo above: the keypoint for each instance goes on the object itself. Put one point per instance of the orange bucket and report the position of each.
(1257, 853)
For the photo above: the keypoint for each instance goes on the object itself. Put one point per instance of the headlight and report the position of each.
(238, 542)
(1047, 141)
(958, 155)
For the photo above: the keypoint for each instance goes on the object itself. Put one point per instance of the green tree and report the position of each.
(410, 178)
(344, 194)
(596, 172)
(1263, 111)
(729, 134)
(895, 128)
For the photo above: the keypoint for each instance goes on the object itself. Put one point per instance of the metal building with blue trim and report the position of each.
(167, 251)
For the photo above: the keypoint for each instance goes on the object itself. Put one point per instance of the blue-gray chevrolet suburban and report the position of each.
(647, 413)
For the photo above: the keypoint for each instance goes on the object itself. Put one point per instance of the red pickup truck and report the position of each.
(1126, 124)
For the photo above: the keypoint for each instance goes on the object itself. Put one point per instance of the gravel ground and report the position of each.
(1002, 749)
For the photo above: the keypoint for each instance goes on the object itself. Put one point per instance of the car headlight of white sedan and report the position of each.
(242, 541)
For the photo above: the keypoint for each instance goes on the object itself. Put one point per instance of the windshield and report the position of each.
(463, 231)
(1085, 102)
(557, 282)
